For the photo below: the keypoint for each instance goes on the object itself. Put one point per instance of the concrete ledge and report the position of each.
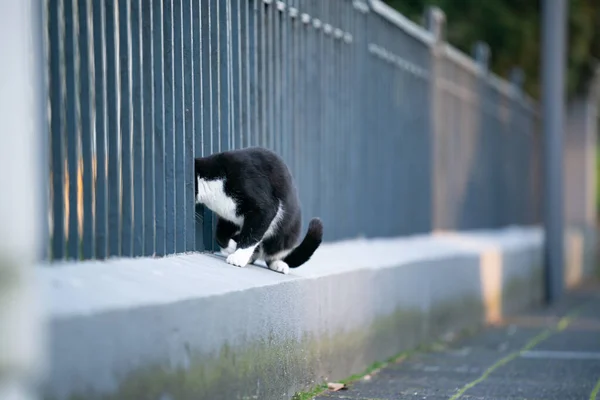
(193, 327)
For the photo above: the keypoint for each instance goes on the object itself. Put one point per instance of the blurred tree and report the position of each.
(512, 30)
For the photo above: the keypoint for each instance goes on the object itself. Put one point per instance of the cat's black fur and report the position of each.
(259, 183)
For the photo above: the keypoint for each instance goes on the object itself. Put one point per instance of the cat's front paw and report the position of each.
(241, 257)
(230, 249)
(280, 266)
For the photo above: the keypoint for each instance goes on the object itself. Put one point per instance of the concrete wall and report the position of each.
(193, 327)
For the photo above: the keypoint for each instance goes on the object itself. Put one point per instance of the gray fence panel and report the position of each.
(343, 91)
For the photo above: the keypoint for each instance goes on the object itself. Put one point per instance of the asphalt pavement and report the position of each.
(548, 354)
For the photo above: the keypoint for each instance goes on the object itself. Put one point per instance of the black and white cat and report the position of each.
(253, 194)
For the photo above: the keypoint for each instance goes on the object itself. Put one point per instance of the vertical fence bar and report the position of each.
(72, 143)
(160, 125)
(293, 90)
(303, 111)
(343, 140)
(353, 157)
(206, 43)
(87, 234)
(286, 131)
(56, 127)
(262, 70)
(248, 63)
(243, 37)
(41, 13)
(276, 77)
(322, 113)
(126, 126)
(235, 55)
(380, 141)
(313, 101)
(137, 96)
(169, 126)
(215, 101)
(371, 143)
(180, 114)
(326, 133)
(149, 127)
(255, 75)
(223, 21)
(270, 75)
(199, 79)
(210, 102)
(114, 175)
(353, 122)
(101, 220)
(179, 135)
(189, 144)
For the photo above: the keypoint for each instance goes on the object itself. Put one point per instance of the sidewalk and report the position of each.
(551, 354)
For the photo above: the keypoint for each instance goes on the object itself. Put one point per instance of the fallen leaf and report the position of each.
(334, 387)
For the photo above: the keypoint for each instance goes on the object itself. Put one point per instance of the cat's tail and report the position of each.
(307, 247)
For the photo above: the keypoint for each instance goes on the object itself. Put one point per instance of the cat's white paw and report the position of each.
(280, 266)
(241, 257)
(230, 249)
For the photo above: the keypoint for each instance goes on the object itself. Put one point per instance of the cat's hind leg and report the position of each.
(279, 266)
(274, 251)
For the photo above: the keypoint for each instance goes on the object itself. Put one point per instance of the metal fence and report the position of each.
(387, 129)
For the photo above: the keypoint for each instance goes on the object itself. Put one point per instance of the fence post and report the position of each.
(517, 78)
(21, 142)
(481, 54)
(554, 17)
(435, 23)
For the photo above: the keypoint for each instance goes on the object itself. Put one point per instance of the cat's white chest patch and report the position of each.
(212, 195)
